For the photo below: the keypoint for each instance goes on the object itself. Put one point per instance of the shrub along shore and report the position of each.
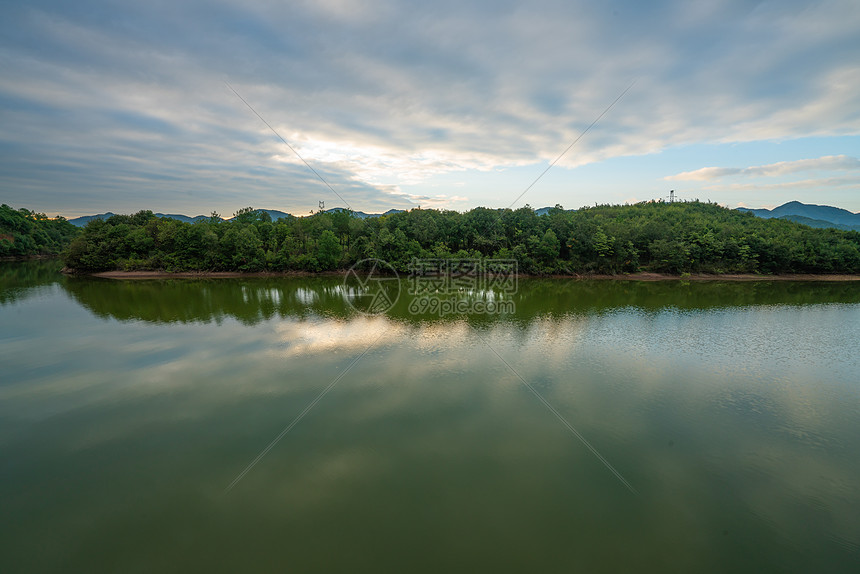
(672, 239)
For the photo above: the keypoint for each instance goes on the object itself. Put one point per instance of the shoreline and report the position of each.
(641, 276)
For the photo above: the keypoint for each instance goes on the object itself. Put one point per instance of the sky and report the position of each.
(110, 105)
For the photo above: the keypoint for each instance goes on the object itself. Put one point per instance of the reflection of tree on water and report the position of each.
(654, 295)
(191, 300)
(20, 279)
(253, 300)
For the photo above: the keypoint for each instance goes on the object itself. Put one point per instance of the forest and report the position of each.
(25, 233)
(674, 238)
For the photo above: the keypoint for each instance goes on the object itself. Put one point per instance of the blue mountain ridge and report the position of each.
(810, 214)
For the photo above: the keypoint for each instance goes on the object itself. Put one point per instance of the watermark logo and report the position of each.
(462, 286)
(372, 286)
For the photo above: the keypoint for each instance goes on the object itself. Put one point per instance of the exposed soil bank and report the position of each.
(631, 277)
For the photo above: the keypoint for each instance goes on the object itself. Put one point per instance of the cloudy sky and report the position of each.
(110, 105)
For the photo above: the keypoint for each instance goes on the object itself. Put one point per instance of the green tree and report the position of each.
(548, 249)
(329, 250)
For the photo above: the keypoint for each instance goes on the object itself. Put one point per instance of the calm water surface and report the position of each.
(127, 409)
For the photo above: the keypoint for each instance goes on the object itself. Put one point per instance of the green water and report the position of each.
(128, 409)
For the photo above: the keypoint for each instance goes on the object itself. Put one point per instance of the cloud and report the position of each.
(826, 163)
(124, 106)
(705, 174)
(817, 183)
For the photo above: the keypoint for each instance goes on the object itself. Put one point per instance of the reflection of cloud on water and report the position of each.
(446, 405)
(301, 338)
(323, 478)
(750, 430)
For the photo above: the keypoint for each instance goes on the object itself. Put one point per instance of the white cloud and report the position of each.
(705, 174)
(826, 163)
(818, 183)
(128, 104)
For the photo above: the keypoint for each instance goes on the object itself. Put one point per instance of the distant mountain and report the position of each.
(276, 215)
(273, 213)
(812, 215)
(184, 218)
(545, 210)
(84, 219)
(819, 223)
(363, 215)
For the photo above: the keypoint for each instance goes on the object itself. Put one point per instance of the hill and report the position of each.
(810, 214)
(25, 233)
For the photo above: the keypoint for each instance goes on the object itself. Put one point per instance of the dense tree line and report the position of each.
(676, 238)
(25, 233)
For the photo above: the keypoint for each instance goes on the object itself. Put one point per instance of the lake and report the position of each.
(264, 425)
